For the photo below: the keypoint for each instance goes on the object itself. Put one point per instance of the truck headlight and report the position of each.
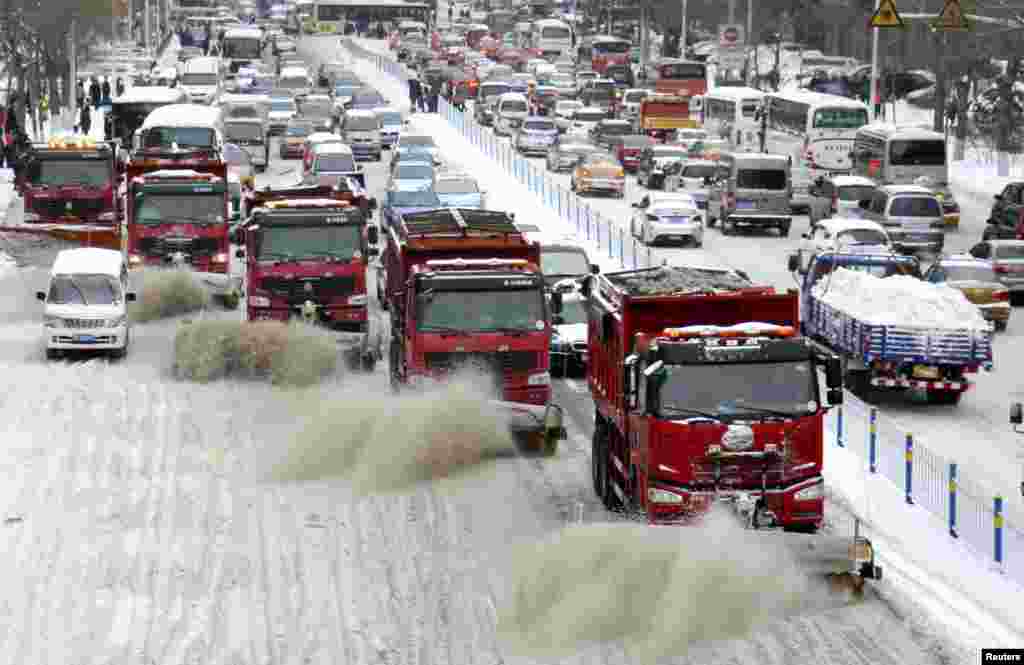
(135, 259)
(259, 301)
(220, 258)
(658, 495)
(357, 300)
(53, 321)
(815, 491)
(541, 379)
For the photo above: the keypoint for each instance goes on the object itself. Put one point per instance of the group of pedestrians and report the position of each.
(424, 94)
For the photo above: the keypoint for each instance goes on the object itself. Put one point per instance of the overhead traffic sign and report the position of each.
(951, 18)
(886, 16)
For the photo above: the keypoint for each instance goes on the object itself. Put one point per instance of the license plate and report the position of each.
(745, 205)
(926, 372)
(85, 339)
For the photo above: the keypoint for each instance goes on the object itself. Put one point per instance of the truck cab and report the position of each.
(69, 181)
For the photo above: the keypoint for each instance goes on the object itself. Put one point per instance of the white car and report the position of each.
(85, 304)
(564, 110)
(670, 219)
(694, 176)
(569, 349)
(842, 234)
(585, 119)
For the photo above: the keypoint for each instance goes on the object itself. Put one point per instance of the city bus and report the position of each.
(906, 155)
(816, 131)
(606, 50)
(330, 16)
(551, 37)
(731, 113)
(681, 77)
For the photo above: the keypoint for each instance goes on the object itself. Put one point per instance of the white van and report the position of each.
(201, 79)
(510, 111)
(85, 306)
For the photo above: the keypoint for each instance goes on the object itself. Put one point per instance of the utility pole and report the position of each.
(682, 33)
(146, 34)
(874, 98)
(72, 86)
(732, 11)
(750, 22)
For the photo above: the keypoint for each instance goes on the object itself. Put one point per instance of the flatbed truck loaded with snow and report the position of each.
(703, 392)
(465, 292)
(306, 258)
(661, 115)
(893, 330)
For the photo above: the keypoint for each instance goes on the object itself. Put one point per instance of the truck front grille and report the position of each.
(166, 246)
(81, 208)
(316, 289)
(496, 362)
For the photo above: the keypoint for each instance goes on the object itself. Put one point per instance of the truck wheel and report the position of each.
(394, 359)
(599, 467)
(727, 228)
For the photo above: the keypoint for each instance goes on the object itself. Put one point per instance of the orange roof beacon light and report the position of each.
(748, 329)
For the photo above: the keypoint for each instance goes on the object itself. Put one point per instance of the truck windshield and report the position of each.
(243, 49)
(774, 179)
(469, 311)
(339, 241)
(244, 132)
(53, 172)
(735, 389)
(198, 78)
(84, 290)
(185, 137)
(563, 262)
(184, 207)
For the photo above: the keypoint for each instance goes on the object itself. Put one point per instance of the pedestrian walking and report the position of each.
(85, 120)
(414, 93)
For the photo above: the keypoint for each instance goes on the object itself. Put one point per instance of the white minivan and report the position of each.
(511, 109)
(85, 306)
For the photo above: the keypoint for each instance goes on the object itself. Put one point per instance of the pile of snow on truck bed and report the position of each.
(899, 300)
(677, 281)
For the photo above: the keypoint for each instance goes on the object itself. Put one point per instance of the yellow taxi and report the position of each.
(599, 172)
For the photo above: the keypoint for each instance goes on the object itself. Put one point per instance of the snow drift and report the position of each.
(899, 300)
(658, 590)
(383, 443)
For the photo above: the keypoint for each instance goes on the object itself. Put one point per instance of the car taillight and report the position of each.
(730, 201)
(1001, 269)
(1001, 296)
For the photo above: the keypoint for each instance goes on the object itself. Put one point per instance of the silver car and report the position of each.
(838, 196)
(535, 135)
(1007, 257)
(911, 215)
(564, 156)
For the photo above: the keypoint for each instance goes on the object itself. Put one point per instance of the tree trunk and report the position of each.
(939, 119)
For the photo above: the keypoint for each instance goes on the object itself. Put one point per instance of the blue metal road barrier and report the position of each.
(952, 499)
(909, 486)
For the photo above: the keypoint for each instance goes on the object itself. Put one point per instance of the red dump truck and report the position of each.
(68, 189)
(306, 251)
(465, 291)
(704, 392)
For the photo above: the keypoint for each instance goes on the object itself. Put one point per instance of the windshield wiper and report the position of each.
(81, 293)
(683, 411)
(755, 409)
(445, 330)
(507, 331)
(192, 220)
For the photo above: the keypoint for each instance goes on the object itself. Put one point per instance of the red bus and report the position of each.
(681, 77)
(609, 50)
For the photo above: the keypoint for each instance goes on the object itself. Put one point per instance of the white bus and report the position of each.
(242, 46)
(552, 37)
(816, 131)
(730, 113)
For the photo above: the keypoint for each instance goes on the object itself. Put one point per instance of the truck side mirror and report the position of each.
(834, 396)
(998, 197)
(372, 234)
(833, 373)
(240, 254)
(793, 262)
(41, 297)
(1016, 414)
(595, 269)
(629, 380)
(556, 302)
(130, 297)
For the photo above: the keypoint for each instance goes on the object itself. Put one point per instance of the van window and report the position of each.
(1009, 251)
(856, 192)
(774, 179)
(198, 78)
(914, 206)
(335, 164)
(84, 290)
(185, 137)
(238, 132)
(513, 106)
(917, 153)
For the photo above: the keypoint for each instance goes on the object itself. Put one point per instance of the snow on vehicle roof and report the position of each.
(840, 224)
(243, 33)
(817, 99)
(183, 115)
(900, 132)
(319, 137)
(294, 71)
(666, 198)
(734, 92)
(511, 96)
(361, 113)
(852, 181)
(333, 149)
(900, 300)
(88, 260)
(157, 94)
(907, 189)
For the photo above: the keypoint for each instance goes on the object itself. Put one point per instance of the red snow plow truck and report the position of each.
(465, 292)
(704, 393)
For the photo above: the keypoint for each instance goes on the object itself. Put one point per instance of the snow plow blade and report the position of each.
(537, 428)
(845, 562)
(87, 235)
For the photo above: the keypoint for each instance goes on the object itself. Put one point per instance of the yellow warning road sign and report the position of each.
(951, 18)
(886, 16)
